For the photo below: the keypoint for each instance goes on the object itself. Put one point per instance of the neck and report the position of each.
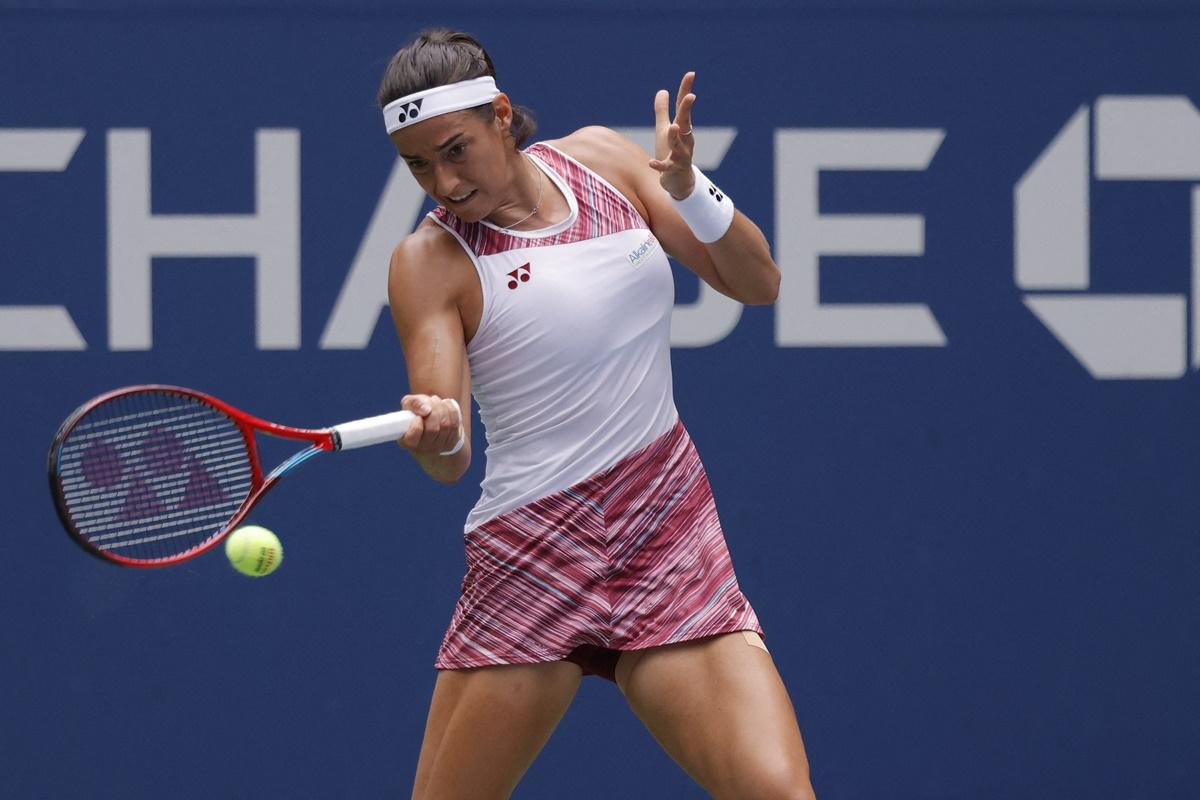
(529, 192)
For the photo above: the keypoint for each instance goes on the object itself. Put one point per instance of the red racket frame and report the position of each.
(248, 424)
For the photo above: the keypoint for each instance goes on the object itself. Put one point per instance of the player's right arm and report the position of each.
(427, 289)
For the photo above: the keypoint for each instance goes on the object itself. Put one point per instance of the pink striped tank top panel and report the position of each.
(571, 364)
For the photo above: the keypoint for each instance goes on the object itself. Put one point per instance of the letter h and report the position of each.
(271, 235)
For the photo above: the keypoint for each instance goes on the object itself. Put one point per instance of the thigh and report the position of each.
(487, 724)
(720, 709)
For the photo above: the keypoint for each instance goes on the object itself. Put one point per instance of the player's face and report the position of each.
(460, 160)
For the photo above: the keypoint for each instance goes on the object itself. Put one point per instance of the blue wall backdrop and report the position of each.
(956, 462)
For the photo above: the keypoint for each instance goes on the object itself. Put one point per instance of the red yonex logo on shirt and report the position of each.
(518, 276)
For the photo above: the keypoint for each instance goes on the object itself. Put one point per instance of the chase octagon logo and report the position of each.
(1114, 336)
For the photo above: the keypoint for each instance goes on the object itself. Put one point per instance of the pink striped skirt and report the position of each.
(630, 558)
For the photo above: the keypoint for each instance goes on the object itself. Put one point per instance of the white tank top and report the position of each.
(571, 364)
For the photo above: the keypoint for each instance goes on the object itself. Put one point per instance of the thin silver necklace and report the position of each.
(541, 189)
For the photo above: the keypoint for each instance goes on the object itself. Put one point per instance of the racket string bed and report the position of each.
(151, 475)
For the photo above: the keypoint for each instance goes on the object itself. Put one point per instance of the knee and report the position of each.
(802, 792)
(785, 782)
(791, 791)
(799, 789)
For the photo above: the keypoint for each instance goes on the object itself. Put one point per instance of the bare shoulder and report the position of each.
(427, 247)
(603, 150)
(428, 264)
(610, 155)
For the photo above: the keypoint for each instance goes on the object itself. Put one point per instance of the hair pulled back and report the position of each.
(439, 57)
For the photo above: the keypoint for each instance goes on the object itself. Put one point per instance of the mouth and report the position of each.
(461, 199)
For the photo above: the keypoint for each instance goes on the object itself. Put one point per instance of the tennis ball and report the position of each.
(253, 550)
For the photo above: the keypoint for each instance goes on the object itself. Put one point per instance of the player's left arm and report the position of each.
(739, 264)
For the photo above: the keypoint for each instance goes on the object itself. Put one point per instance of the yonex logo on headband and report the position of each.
(422, 105)
(410, 111)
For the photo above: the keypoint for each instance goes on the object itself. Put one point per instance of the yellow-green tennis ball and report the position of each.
(253, 550)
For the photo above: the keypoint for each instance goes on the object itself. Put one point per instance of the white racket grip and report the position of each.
(373, 430)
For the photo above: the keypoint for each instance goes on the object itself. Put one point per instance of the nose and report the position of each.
(445, 180)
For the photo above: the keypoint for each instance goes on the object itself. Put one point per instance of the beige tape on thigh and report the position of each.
(754, 640)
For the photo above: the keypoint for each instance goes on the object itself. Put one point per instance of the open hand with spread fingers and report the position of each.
(673, 141)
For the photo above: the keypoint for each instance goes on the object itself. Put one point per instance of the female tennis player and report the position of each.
(540, 284)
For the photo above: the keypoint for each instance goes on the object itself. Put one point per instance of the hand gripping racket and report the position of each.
(147, 476)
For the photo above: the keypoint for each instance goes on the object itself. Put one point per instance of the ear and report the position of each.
(502, 106)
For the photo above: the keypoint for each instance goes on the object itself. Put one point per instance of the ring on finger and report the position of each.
(688, 132)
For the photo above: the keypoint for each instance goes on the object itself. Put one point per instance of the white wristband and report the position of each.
(461, 432)
(707, 210)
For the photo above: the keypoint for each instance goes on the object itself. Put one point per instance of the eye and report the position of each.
(416, 165)
(457, 151)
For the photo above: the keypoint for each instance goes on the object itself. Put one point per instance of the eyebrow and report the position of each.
(441, 146)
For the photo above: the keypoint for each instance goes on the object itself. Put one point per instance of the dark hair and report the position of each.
(439, 57)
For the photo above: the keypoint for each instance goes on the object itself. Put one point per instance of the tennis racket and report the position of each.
(152, 475)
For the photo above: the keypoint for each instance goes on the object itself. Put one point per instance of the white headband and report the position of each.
(413, 108)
